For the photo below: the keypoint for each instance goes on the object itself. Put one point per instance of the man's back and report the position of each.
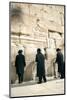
(40, 58)
(60, 57)
(20, 60)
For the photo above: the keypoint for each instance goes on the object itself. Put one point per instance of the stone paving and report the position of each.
(51, 87)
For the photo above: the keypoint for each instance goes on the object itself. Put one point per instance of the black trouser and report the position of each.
(63, 71)
(20, 76)
(40, 78)
(63, 74)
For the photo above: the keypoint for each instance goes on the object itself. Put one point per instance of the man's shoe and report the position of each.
(39, 82)
(45, 80)
(61, 77)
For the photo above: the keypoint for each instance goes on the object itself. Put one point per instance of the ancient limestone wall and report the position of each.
(36, 26)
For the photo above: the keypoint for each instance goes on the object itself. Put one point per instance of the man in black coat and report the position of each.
(40, 66)
(20, 64)
(59, 61)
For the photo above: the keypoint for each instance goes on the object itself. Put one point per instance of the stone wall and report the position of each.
(36, 26)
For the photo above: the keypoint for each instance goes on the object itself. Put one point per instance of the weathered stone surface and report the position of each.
(55, 35)
(52, 87)
(51, 43)
(51, 54)
(52, 18)
(36, 26)
(59, 43)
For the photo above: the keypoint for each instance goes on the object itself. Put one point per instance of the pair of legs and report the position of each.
(40, 78)
(20, 76)
(61, 74)
(61, 70)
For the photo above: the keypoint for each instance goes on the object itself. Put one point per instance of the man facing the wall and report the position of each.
(40, 66)
(20, 64)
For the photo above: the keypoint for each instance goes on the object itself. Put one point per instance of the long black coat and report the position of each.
(59, 60)
(20, 64)
(40, 64)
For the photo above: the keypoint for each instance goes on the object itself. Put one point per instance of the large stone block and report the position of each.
(51, 55)
(13, 75)
(55, 35)
(59, 43)
(51, 43)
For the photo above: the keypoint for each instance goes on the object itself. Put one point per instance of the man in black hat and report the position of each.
(40, 66)
(20, 64)
(59, 61)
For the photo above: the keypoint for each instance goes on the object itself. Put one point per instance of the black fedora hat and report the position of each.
(38, 50)
(58, 49)
(20, 51)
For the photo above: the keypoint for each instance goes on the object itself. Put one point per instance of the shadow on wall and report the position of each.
(28, 74)
(51, 67)
(29, 69)
(13, 75)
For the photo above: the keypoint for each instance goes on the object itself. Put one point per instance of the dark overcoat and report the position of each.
(59, 60)
(20, 64)
(40, 64)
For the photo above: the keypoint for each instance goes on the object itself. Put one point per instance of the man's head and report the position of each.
(58, 50)
(20, 51)
(38, 50)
